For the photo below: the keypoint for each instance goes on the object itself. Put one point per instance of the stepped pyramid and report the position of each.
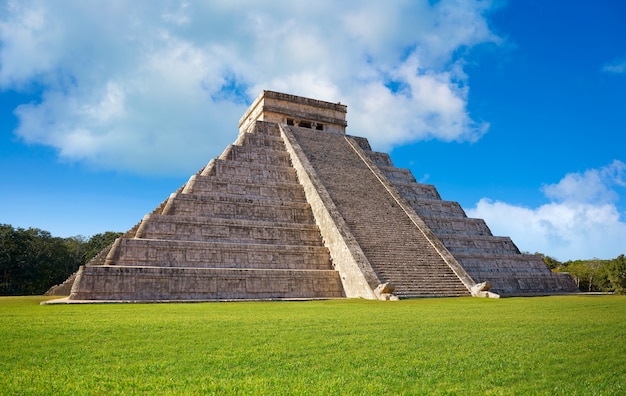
(297, 209)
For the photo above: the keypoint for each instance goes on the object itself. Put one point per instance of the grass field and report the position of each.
(548, 345)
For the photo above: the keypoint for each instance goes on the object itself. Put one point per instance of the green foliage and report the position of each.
(98, 242)
(541, 346)
(551, 262)
(616, 273)
(596, 275)
(32, 260)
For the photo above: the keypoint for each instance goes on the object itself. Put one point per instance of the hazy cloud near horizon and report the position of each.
(581, 215)
(128, 86)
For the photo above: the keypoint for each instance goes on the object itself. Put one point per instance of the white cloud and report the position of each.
(581, 220)
(617, 66)
(591, 186)
(160, 86)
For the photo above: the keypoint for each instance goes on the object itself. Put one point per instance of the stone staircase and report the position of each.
(239, 229)
(485, 257)
(395, 247)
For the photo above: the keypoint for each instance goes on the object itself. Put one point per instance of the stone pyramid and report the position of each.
(297, 209)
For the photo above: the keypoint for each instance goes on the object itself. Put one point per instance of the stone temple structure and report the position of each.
(297, 209)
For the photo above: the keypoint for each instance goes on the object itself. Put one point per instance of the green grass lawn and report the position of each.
(549, 345)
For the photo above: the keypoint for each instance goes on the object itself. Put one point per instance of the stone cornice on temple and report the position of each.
(286, 109)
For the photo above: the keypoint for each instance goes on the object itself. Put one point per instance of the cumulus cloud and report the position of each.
(159, 86)
(580, 221)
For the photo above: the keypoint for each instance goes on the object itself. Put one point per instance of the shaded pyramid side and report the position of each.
(239, 229)
(484, 256)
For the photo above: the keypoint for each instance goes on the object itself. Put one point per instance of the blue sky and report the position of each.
(515, 109)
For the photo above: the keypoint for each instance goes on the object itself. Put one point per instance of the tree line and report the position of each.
(32, 260)
(594, 275)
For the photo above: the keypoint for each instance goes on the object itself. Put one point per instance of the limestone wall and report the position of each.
(192, 228)
(178, 253)
(437, 208)
(478, 244)
(194, 284)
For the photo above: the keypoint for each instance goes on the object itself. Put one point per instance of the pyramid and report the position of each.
(297, 209)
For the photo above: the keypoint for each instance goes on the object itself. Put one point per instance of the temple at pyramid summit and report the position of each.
(297, 209)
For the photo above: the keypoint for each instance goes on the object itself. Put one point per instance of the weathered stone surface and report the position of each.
(175, 284)
(385, 292)
(63, 289)
(397, 250)
(295, 208)
(482, 290)
(483, 256)
(239, 229)
(280, 108)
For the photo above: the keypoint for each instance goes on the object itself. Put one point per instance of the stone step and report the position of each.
(149, 283)
(433, 272)
(397, 174)
(253, 172)
(254, 189)
(515, 274)
(380, 159)
(478, 244)
(416, 190)
(512, 263)
(191, 228)
(260, 140)
(436, 208)
(265, 128)
(261, 156)
(528, 283)
(240, 208)
(362, 142)
(429, 293)
(399, 278)
(263, 139)
(195, 254)
(457, 226)
(429, 286)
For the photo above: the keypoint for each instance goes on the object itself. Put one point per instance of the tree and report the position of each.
(616, 273)
(76, 247)
(595, 274)
(13, 246)
(50, 261)
(98, 242)
(31, 260)
(551, 262)
(580, 273)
